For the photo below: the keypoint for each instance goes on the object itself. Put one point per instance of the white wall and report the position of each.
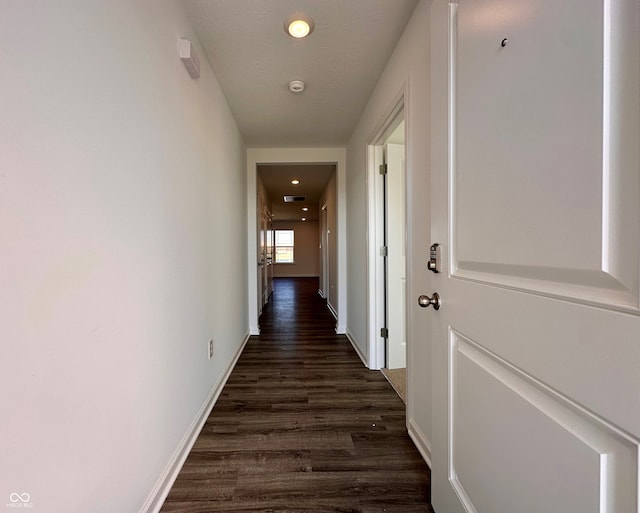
(305, 254)
(408, 69)
(119, 260)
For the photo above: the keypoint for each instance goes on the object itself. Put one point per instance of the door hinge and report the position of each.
(383, 169)
(384, 251)
(384, 332)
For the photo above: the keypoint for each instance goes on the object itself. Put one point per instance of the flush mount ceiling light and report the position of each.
(295, 181)
(298, 25)
(296, 86)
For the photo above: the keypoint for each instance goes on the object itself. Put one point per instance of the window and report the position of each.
(284, 246)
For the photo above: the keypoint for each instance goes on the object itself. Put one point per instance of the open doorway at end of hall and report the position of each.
(292, 157)
(296, 227)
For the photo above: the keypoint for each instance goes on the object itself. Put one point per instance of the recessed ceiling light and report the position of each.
(299, 29)
(304, 218)
(305, 209)
(295, 181)
(299, 26)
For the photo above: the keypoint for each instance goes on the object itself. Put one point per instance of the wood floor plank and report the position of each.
(302, 426)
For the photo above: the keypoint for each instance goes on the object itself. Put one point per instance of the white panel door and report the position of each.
(324, 252)
(536, 202)
(262, 252)
(396, 256)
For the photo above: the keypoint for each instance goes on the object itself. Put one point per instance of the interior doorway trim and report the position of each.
(375, 224)
(335, 156)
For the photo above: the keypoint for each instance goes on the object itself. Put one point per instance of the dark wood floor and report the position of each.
(302, 426)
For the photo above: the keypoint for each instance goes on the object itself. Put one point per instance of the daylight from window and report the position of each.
(284, 246)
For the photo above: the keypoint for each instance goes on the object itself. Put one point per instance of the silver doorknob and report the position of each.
(425, 301)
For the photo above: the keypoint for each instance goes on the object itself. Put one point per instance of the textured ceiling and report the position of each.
(277, 181)
(254, 60)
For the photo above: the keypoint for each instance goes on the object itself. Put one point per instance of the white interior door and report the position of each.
(260, 236)
(536, 202)
(396, 357)
(264, 264)
(264, 238)
(324, 252)
(270, 254)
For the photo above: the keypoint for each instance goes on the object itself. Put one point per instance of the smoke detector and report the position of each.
(296, 86)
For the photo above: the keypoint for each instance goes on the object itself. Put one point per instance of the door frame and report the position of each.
(376, 316)
(332, 156)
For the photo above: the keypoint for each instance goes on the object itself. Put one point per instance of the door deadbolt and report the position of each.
(425, 301)
(434, 258)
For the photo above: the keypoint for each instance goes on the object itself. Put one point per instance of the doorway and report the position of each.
(335, 157)
(387, 249)
(394, 207)
(395, 250)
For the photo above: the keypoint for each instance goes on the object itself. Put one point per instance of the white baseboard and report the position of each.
(355, 346)
(159, 493)
(420, 440)
(332, 310)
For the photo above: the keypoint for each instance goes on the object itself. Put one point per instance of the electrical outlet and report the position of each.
(210, 349)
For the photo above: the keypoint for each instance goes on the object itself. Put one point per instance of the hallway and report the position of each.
(302, 426)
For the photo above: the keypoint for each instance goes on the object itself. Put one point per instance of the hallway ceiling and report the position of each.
(277, 181)
(254, 60)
